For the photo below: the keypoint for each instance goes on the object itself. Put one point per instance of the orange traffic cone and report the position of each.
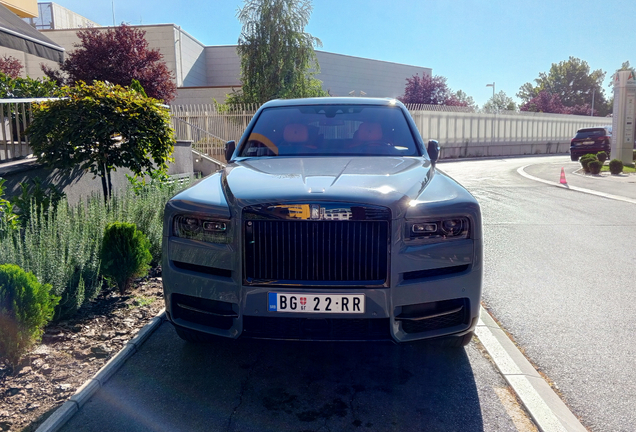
(563, 180)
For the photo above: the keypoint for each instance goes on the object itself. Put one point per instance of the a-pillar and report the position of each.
(623, 121)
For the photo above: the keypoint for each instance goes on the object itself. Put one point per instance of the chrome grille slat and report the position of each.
(316, 251)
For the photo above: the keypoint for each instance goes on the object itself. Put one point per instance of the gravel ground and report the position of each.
(72, 351)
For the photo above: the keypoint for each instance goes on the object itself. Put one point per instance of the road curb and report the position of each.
(546, 408)
(64, 413)
(523, 173)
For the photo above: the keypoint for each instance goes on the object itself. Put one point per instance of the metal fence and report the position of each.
(15, 115)
(465, 134)
(460, 131)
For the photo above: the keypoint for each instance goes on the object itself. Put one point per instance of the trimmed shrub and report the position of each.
(585, 160)
(616, 166)
(602, 156)
(125, 254)
(64, 249)
(26, 306)
(595, 166)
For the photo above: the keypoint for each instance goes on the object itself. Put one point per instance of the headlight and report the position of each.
(440, 230)
(199, 228)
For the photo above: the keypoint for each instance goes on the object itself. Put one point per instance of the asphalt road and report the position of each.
(560, 268)
(170, 385)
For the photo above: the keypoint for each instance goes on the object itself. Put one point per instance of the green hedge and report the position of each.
(64, 250)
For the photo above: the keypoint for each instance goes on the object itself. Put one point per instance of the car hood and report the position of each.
(387, 181)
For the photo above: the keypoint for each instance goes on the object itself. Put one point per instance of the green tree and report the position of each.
(624, 67)
(460, 98)
(277, 55)
(573, 81)
(100, 128)
(12, 88)
(499, 102)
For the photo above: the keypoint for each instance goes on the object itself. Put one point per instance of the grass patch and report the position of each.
(626, 169)
(142, 301)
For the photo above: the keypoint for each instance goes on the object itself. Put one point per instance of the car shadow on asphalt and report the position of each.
(253, 385)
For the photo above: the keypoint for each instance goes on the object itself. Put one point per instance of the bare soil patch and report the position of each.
(72, 351)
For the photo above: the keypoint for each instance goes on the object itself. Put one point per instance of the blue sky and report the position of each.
(471, 43)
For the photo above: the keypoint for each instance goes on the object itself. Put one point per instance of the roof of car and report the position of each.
(587, 129)
(333, 101)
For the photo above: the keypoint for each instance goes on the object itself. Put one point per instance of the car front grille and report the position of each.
(308, 252)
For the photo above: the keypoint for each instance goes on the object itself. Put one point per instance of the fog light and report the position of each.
(424, 228)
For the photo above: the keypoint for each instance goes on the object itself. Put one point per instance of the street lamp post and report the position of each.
(592, 113)
(493, 90)
(492, 122)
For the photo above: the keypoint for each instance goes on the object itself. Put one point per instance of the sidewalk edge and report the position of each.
(64, 413)
(523, 173)
(546, 408)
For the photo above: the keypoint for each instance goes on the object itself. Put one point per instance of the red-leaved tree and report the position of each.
(551, 103)
(433, 90)
(118, 56)
(10, 66)
(430, 90)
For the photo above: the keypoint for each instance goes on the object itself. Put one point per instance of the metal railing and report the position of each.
(226, 122)
(15, 116)
(460, 131)
(202, 140)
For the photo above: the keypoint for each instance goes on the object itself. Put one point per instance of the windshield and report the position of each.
(331, 130)
(591, 133)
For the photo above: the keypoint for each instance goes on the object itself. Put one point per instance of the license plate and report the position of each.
(588, 142)
(315, 303)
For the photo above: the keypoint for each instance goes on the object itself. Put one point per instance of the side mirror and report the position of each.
(433, 150)
(230, 146)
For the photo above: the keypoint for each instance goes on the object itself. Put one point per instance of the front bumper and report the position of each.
(419, 303)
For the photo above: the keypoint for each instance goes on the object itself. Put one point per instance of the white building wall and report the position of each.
(63, 18)
(223, 66)
(341, 74)
(201, 95)
(192, 63)
(64, 38)
(161, 37)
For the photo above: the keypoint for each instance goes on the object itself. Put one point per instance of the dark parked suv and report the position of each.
(590, 140)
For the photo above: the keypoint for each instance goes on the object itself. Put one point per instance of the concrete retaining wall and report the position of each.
(79, 184)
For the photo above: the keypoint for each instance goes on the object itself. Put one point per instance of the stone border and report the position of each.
(545, 407)
(64, 413)
(523, 173)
